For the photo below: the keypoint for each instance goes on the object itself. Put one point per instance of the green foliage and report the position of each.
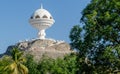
(102, 22)
(66, 65)
(13, 64)
(110, 60)
(98, 38)
(4, 62)
(31, 65)
(98, 43)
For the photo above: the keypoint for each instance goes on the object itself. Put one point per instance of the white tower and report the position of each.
(41, 20)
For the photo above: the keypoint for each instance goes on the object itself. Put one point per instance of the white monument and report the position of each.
(41, 20)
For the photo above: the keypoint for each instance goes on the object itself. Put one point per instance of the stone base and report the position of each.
(45, 47)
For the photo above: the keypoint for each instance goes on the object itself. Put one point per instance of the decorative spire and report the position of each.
(41, 6)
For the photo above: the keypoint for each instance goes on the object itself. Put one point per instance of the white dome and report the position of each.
(41, 14)
(41, 20)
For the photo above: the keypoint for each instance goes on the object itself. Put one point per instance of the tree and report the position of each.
(46, 65)
(66, 65)
(4, 61)
(110, 60)
(15, 63)
(31, 64)
(101, 29)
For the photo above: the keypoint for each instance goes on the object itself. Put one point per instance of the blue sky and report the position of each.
(14, 16)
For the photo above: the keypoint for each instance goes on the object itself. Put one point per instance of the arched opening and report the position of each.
(45, 16)
(37, 16)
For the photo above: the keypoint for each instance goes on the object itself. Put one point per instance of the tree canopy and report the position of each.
(46, 65)
(100, 30)
(13, 64)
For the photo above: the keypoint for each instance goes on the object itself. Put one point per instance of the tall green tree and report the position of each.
(14, 63)
(101, 29)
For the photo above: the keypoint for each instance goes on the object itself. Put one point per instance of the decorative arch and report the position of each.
(45, 16)
(37, 16)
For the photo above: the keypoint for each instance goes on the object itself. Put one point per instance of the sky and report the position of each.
(15, 14)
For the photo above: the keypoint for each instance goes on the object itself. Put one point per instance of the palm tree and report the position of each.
(16, 66)
(4, 62)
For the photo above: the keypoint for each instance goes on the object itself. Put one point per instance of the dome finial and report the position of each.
(41, 6)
